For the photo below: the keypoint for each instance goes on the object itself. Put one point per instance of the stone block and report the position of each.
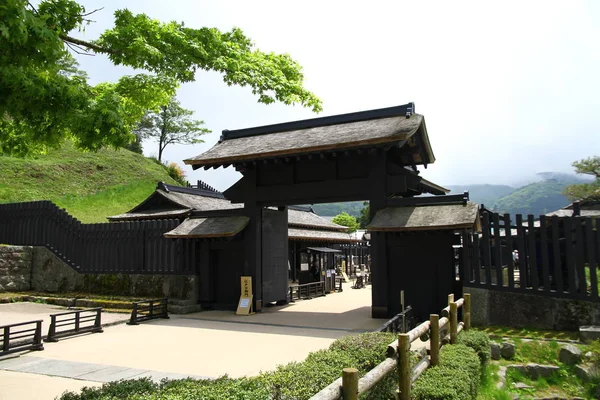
(495, 350)
(507, 351)
(589, 333)
(569, 354)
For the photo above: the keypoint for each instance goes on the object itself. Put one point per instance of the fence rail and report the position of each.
(134, 247)
(397, 324)
(14, 338)
(349, 387)
(552, 256)
(77, 321)
(307, 291)
(148, 309)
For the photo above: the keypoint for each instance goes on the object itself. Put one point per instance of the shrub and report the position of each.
(222, 388)
(442, 383)
(302, 380)
(114, 390)
(175, 172)
(369, 349)
(461, 357)
(478, 341)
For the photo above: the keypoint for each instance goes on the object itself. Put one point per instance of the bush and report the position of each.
(175, 172)
(302, 380)
(114, 390)
(461, 357)
(369, 349)
(442, 383)
(223, 388)
(478, 341)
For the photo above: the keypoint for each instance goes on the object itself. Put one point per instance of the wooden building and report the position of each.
(370, 155)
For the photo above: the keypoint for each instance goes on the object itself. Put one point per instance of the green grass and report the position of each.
(90, 186)
(497, 332)
(487, 387)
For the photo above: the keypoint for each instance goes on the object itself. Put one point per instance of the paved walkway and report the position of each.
(205, 344)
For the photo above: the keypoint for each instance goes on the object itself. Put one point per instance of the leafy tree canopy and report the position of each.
(348, 220)
(365, 215)
(171, 124)
(46, 98)
(587, 166)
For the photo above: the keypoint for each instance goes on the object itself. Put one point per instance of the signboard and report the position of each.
(245, 303)
(304, 267)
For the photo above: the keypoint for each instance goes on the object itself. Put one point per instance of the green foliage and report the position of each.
(329, 209)
(536, 198)
(221, 388)
(365, 217)
(441, 383)
(461, 357)
(114, 390)
(589, 191)
(90, 186)
(594, 348)
(46, 98)
(171, 124)
(345, 219)
(175, 172)
(536, 351)
(478, 341)
(368, 349)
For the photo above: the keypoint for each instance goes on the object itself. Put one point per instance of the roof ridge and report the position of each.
(406, 110)
(204, 190)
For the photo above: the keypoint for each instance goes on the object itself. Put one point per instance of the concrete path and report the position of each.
(24, 386)
(206, 344)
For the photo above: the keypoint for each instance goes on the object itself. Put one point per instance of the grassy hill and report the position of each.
(536, 198)
(483, 193)
(90, 186)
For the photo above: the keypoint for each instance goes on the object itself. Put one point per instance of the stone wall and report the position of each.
(38, 269)
(520, 310)
(15, 268)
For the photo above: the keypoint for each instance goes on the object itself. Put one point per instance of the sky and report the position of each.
(508, 89)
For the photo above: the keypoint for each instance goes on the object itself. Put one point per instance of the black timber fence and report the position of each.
(146, 310)
(74, 323)
(135, 247)
(21, 336)
(552, 256)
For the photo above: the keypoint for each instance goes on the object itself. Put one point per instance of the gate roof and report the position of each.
(382, 127)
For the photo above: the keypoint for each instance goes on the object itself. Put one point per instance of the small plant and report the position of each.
(442, 383)
(461, 357)
(175, 172)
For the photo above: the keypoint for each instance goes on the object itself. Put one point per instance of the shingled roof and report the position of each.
(312, 220)
(336, 133)
(426, 217)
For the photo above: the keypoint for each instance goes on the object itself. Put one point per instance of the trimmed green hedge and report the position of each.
(295, 380)
(455, 378)
(478, 341)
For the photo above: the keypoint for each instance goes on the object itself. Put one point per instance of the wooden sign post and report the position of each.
(245, 303)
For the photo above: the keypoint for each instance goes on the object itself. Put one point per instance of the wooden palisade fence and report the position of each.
(136, 247)
(553, 256)
(350, 387)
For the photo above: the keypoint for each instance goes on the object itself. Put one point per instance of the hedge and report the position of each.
(295, 380)
(478, 341)
(455, 378)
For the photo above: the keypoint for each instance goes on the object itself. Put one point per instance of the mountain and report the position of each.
(536, 198)
(332, 209)
(486, 194)
(89, 185)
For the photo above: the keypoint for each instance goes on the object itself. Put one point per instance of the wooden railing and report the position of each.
(74, 323)
(307, 291)
(148, 309)
(350, 387)
(397, 324)
(15, 339)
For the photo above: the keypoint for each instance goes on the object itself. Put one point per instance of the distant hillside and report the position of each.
(483, 193)
(90, 186)
(332, 209)
(536, 198)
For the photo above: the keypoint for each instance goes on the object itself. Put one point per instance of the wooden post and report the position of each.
(434, 339)
(403, 366)
(453, 322)
(350, 384)
(450, 298)
(467, 311)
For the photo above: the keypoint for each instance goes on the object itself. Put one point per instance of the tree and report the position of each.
(587, 166)
(46, 98)
(365, 215)
(172, 124)
(348, 220)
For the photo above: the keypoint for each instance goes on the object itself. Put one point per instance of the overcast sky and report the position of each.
(507, 89)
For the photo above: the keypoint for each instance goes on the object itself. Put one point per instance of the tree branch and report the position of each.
(83, 43)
